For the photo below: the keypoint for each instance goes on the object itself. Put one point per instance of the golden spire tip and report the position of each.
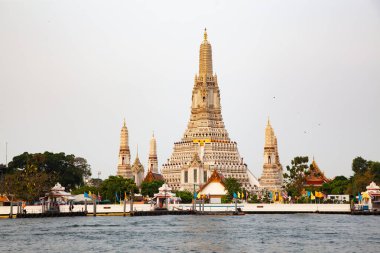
(205, 34)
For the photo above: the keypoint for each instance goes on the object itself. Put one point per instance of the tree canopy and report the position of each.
(117, 185)
(364, 173)
(150, 188)
(186, 196)
(232, 186)
(294, 178)
(68, 170)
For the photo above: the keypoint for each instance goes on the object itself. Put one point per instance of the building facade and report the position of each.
(124, 163)
(205, 145)
(272, 178)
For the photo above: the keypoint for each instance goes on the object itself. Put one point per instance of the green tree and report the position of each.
(119, 185)
(185, 196)
(375, 171)
(150, 188)
(85, 188)
(294, 178)
(28, 184)
(336, 186)
(232, 186)
(67, 169)
(359, 165)
(364, 173)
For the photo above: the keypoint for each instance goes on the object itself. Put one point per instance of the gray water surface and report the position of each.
(249, 233)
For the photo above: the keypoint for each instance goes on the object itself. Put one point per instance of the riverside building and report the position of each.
(205, 145)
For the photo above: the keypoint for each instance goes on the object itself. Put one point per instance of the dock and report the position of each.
(50, 214)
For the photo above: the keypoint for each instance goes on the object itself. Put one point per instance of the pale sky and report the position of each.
(70, 71)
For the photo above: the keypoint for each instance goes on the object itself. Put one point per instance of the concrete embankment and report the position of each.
(115, 210)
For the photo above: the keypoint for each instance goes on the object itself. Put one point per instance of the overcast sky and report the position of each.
(70, 71)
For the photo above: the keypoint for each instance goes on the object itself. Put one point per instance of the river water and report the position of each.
(249, 233)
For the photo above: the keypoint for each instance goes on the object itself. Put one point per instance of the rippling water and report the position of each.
(249, 233)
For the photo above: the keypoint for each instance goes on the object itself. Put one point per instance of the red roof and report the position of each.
(215, 177)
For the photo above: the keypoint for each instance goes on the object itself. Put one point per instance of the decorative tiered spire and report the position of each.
(152, 159)
(270, 138)
(123, 168)
(205, 57)
(271, 178)
(124, 137)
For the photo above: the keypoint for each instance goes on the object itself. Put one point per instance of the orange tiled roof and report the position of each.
(4, 199)
(215, 177)
(150, 177)
(316, 176)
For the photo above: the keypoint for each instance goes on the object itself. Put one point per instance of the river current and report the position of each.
(249, 233)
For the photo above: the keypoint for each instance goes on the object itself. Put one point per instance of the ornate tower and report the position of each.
(152, 159)
(124, 164)
(138, 171)
(205, 145)
(271, 178)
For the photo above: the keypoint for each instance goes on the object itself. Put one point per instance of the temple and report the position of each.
(124, 164)
(153, 174)
(315, 177)
(205, 146)
(152, 159)
(214, 188)
(138, 171)
(271, 179)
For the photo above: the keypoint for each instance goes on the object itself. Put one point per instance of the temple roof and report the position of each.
(151, 176)
(215, 177)
(316, 176)
(137, 166)
(4, 199)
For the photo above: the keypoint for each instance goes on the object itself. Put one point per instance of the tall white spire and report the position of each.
(124, 164)
(152, 159)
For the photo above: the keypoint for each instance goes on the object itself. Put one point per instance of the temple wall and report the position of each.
(103, 209)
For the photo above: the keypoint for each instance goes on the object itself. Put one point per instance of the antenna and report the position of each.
(99, 173)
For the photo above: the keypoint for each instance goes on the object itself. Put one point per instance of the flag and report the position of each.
(235, 195)
(270, 195)
(242, 195)
(238, 195)
(284, 195)
(86, 195)
(359, 197)
(125, 195)
(199, 195)
(308, 194)
(195, 195)
(312, 197)
(116, 197)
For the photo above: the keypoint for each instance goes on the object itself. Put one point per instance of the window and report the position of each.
(204, 176)
(186, 176)
(269, 160)
(122, 162)
(195, 176)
